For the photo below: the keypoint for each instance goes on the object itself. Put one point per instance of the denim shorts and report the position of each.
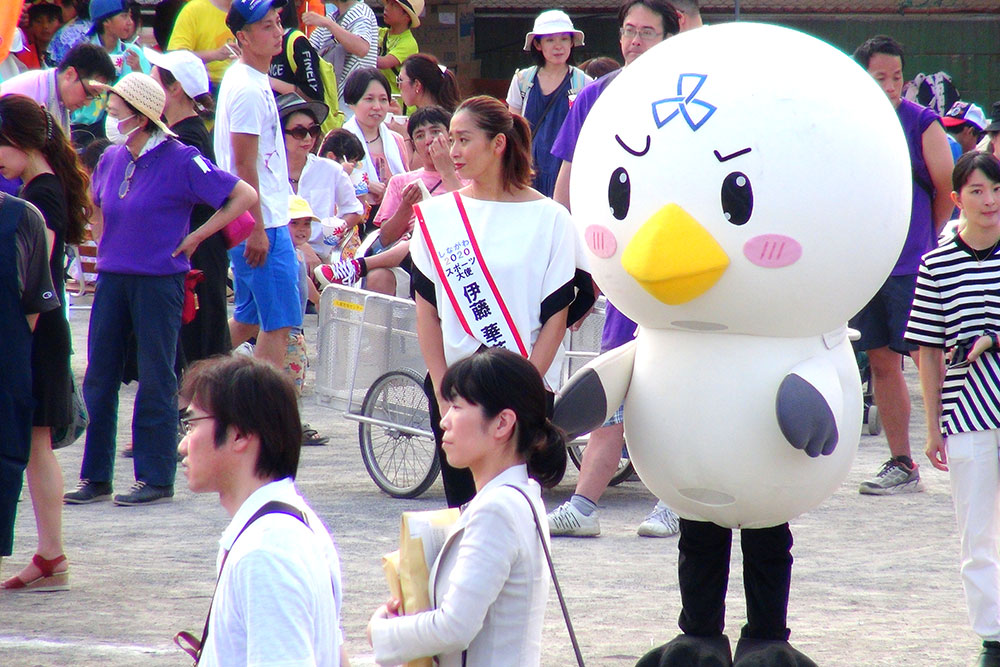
(268, 295)
(883, 321)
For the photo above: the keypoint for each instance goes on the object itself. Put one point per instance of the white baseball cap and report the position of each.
(553, 22)
(185, 66)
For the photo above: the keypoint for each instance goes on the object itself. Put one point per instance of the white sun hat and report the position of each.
(553, 22)
(184, 66)
(142, 92)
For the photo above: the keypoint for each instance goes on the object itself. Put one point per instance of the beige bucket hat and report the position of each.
(145, 94)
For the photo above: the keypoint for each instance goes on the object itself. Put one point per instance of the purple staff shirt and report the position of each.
(143, 228)
(921, 237)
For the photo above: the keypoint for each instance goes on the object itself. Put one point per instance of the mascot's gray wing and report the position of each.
(594, 392)
(804, 411)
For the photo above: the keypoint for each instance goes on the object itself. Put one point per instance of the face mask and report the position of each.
(111, 130)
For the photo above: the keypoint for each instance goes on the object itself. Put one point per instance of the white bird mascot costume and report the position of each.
(743, 189)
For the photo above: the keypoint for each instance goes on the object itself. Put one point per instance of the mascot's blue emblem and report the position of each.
(686, 104)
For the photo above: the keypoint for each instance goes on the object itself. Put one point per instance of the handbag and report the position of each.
(190, 307)
(238, 230)
(67, 435)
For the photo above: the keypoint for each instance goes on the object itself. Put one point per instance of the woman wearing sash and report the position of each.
(488, 585)
(494, 264)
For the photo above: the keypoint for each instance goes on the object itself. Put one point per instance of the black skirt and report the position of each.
(51, 384)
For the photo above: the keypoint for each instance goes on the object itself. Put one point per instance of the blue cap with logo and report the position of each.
(245, 12)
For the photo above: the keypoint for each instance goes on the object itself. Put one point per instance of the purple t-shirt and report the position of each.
(143, 228)
(618, 329)
(565, 144)
(920, 238)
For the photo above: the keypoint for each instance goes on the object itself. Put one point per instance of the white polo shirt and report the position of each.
(279, 597)
(246, 106)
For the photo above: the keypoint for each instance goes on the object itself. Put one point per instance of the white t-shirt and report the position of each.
(531, 249)
(279, 597)
(329, 191)
(246, 106)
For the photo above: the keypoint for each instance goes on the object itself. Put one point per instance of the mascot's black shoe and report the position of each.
(690, 651)
(769, 653)
(990, 655)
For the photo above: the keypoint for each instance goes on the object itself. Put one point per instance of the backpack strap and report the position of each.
(272, 507)
(290, 49)
(525, 80)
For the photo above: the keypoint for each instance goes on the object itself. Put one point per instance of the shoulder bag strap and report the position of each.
(552, 571)
(552, 100)
(272, 507)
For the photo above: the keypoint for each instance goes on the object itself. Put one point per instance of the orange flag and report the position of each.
(10, 13)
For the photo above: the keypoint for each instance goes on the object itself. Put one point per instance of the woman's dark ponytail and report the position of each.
(547, 459)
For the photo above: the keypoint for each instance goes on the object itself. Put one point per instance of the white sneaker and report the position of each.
(246, 349)
(567, 521)
(661, 522)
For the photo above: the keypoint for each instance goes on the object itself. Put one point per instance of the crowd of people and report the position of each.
(285, 146)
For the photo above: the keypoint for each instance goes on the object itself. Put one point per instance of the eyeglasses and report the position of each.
(129, 173)
(89, 92)
(187, 423)
(301, 133)
(400, 80)
(646, 34)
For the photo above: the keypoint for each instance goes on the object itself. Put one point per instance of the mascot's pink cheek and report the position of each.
(601, 241)
(772, 251)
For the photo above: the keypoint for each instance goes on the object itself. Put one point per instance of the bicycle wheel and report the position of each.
(623, 472)
(404, 465)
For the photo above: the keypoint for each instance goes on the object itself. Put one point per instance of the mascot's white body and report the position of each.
(743, 190)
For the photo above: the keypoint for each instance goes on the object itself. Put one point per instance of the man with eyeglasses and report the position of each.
(278, 595)
(642, 25)
(68, 87)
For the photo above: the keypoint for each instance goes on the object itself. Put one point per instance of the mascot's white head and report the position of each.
(742, 178)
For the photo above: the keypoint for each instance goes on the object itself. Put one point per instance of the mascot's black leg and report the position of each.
(703, 574)
(767, 576)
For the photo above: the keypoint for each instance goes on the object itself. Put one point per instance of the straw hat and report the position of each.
(553, 22)
(142, 92)
(414, 8)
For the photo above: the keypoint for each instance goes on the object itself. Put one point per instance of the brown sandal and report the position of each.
(47, 581)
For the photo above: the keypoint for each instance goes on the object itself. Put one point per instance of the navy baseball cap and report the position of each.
(245, 12)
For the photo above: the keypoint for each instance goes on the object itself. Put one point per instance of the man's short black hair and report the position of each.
(90, 61)
(667, 12)
(878, 44)
(38, 11)
(251, 397)
(429, 115)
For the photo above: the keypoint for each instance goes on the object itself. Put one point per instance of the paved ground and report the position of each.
(875, 581)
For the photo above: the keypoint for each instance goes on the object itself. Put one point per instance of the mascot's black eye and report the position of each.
(619, 193)
(737, 198)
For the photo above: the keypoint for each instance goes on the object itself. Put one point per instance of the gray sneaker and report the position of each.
(893, 478)
(567, 521)
(661, 522)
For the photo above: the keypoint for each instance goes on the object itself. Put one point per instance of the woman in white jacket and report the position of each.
(490, 583)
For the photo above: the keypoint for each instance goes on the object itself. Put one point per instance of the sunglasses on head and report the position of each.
(301, 133)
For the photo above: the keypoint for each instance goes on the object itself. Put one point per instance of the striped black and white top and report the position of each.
(957, 300)
(360, 20)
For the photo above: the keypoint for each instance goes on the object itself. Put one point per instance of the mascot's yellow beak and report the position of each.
(673, 257)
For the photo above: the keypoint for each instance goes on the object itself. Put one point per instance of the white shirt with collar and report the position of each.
(489, 586)
(279, 597)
